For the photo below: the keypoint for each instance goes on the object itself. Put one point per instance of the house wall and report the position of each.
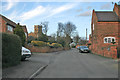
(2, 25)
(117, 10)
(101, 30)
(105, 29)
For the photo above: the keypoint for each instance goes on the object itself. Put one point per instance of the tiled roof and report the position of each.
(107, 16)
(8, 21)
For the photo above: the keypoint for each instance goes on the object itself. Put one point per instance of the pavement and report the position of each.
(28, 67)
(64, 64)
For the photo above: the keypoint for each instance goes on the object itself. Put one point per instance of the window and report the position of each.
(9, 28)
(109, 39)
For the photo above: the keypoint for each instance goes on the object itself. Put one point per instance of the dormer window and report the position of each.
(109, 39)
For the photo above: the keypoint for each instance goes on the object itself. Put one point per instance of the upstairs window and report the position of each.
(9, 28)
(109, 39)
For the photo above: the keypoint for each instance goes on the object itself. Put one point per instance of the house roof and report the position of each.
(8, 21)
(107, 16)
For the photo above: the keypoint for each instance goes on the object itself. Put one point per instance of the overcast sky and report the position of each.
(33, 13)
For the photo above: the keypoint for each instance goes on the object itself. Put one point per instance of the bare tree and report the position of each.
(45, 27)
(69, 28)
(60, 29)
(76, 38)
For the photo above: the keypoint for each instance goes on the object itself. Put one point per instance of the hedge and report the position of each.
(56, 45)
(11, 50)
(39, 43)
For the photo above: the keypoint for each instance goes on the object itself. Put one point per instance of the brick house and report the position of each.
(105, 30)
(6, 25)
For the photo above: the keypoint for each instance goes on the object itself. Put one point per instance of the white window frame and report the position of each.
(109, 38)
(9, 28)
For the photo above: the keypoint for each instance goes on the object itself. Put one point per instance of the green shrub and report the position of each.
(43, 37)
(39, 43)
(61, 41)
(11, 49)
(20, 32)
(56, 45)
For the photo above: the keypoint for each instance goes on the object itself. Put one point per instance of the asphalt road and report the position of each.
(72, 64)
(64, 64)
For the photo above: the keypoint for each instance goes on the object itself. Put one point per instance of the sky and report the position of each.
(33, 13)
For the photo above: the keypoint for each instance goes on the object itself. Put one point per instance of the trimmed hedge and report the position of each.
(39, 43)
(56, 45)
(11, 50)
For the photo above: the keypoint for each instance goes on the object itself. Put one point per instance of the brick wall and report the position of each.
(2, 25)
(105, 29)
(101, 30)
(43, 49)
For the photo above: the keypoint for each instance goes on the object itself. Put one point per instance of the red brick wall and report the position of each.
(43, 49)
(116, 10)
(101, 30)
(2, 25)
(105, 29)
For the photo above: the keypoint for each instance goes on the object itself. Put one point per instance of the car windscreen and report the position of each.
(83, 47)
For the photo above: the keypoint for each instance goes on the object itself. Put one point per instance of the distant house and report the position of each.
(105, 32)
(37, 31)
(6, 25)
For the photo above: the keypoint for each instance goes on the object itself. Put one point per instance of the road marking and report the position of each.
(37, 72)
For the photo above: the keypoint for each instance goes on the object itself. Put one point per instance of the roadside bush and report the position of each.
(61, 41)
(20, 32)
(43, 37)
(56, 45)
(39, 43)
(11, 49)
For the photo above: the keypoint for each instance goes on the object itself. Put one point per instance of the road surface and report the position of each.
(72, 64)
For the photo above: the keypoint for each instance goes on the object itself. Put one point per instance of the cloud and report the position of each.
(13, 15)
(47, 11)
(87, 13)
(33, 13)
(9, 5)
(106, 6)
(62, 9)
(79, 10)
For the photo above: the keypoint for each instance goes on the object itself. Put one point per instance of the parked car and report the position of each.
(83, 49)
(78, 47)
(26, 53)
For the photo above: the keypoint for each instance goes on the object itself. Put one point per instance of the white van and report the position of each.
(26, 53)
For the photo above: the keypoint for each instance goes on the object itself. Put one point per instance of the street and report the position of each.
(72, 64)
(65, 64)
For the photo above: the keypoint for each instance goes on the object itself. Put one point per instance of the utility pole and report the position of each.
(86, 34)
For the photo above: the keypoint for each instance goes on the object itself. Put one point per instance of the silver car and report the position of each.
(84, 49)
